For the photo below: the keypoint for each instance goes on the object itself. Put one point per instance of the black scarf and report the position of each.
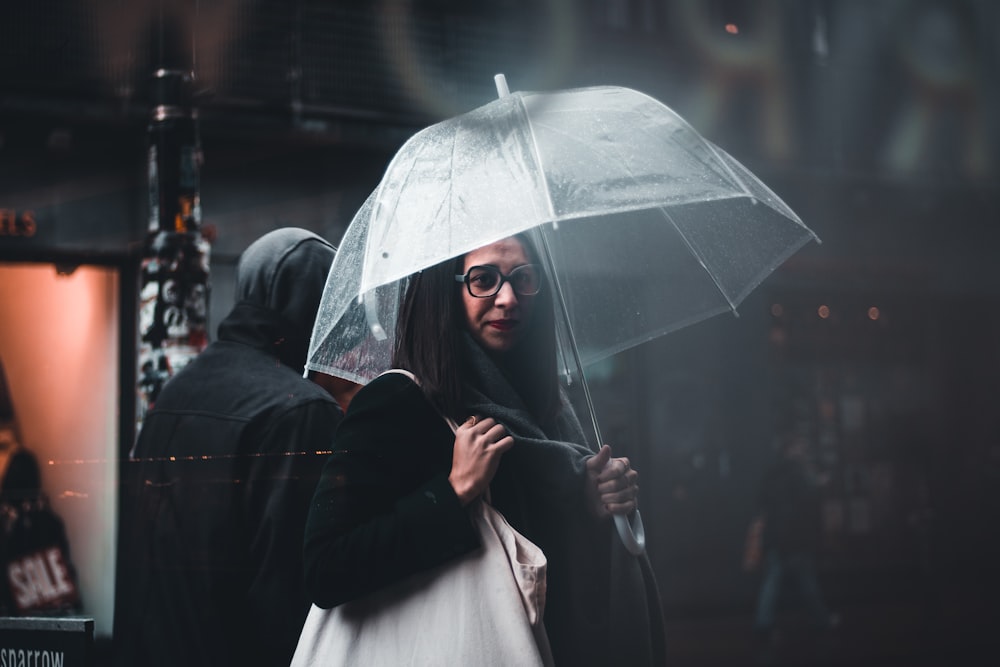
(602, 605)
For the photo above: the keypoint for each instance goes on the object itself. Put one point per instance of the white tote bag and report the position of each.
(483, 609)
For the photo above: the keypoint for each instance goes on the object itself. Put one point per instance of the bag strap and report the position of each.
(402, 371)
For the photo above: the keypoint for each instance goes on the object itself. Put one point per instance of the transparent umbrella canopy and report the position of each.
(644, 225)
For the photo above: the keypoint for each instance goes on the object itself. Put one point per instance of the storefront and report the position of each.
(63, 368)
(74, 241)
(67, 199)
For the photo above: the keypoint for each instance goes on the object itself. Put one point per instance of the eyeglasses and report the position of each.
(486, 281)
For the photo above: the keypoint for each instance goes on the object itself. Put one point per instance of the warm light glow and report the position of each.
(873, 313)
(60, 350)
(732, 29)
(823, 312)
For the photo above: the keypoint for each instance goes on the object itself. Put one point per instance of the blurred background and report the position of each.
(878, 122)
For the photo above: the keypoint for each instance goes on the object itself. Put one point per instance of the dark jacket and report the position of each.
(222, 475)
(384, 510)
(389, 474)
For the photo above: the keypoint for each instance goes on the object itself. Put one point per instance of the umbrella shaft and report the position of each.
(632, 533)
(574, 348)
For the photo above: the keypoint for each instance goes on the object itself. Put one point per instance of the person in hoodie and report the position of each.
(221, 477)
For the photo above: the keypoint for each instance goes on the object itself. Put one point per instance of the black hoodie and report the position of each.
(217, 493)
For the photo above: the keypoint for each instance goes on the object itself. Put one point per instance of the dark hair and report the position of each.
(428, 342)
(22, 479)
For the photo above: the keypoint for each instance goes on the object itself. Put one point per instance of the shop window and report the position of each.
(60, 349)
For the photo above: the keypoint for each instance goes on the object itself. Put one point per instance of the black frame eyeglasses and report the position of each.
(482, 282)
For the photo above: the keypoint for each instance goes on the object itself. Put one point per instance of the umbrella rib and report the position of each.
(729, 170)
(560, 296)
(451, 186)
(378, 198)
(687, 243)
(601, 155)
(701, 260)
(412, 160)
(683, 124)
(561, 131)
(538, 159)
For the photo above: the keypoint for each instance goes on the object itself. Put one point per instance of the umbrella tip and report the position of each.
(501, 82)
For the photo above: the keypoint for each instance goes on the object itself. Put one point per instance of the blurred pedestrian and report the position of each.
(39, 578)
(788, 526)
(217, 493)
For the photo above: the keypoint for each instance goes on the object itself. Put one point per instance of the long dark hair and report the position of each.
(428, 342)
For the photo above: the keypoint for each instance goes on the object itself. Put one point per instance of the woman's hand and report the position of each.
(612, 485)
(479, 443)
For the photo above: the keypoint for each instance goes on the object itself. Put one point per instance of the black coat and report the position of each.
(384, 510)
(215, 501)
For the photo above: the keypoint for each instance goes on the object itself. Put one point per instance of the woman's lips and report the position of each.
(503, 325)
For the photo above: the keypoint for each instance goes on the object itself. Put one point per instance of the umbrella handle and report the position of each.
(632, 532)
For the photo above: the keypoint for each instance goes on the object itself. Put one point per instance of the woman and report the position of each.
(478, 333)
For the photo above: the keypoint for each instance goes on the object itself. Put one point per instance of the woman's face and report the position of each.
(498, 322)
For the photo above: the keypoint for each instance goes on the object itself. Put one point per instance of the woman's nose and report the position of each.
(506, 296)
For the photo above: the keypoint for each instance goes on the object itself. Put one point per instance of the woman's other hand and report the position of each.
(612, 485)
(479, 443)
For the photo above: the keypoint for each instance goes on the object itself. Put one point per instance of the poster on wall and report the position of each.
(174, 281)
(173, 310)
(37, 575)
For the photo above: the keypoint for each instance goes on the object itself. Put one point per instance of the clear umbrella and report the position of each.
(645, 226)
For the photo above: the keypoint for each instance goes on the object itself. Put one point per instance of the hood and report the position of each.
(284, 272)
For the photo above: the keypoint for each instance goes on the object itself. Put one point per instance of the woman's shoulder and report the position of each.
(385, 387)
(386, 413)
(390, 393)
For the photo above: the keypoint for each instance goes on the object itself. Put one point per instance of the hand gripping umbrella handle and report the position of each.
(632, 533)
